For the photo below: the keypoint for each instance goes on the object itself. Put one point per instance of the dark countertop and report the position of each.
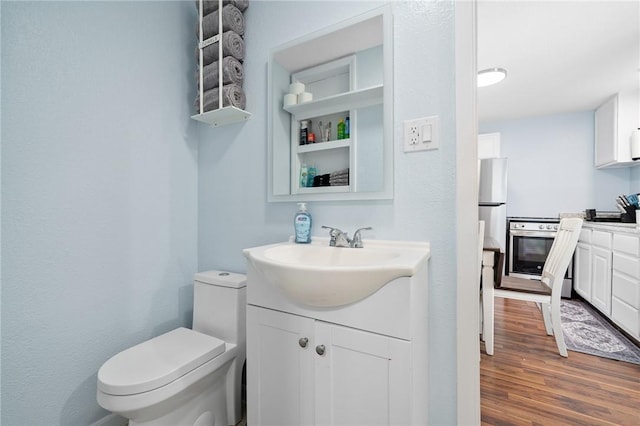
(491, 244)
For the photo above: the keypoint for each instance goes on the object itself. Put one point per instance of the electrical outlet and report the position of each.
(421, 134)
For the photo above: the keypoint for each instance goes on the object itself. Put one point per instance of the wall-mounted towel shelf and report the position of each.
(222, 116)
(221, 99)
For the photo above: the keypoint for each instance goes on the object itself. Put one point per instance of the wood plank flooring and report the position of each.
(526, 381)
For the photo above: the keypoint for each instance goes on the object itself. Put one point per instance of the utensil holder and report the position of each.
(630, 215)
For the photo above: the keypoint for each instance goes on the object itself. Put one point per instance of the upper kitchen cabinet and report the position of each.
(615, 121)
(345, 73)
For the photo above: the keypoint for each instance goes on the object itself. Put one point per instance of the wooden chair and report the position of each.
(546, 291)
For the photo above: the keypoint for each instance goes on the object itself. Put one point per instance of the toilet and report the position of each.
(186, 376)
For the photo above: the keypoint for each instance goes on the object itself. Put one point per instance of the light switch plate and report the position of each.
(421, 134)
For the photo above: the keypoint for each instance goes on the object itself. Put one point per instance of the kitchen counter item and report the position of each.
(592, 215)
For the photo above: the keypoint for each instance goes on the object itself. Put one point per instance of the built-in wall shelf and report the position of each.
(222, 116)
(343, 101)
(323, 189)
(322, 146)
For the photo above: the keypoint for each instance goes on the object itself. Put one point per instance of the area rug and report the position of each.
(587, 332)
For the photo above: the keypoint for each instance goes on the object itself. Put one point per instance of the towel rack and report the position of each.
(223, 114)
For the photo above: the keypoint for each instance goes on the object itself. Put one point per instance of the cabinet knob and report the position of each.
(303, 342)
(320, 349)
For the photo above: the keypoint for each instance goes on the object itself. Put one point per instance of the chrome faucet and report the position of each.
(338, 238)
(356, 242)
(341, 239)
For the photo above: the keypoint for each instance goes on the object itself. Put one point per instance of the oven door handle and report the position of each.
(518, 233)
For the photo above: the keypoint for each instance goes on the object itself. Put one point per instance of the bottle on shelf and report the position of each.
(304, 132)
(341, 127)
(311, 174)
(347, 128)
(304, 176)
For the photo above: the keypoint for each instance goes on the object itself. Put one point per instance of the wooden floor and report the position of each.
(526, 381)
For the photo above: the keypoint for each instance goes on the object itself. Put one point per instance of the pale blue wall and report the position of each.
(551, 166)
(234, 213)
(635, 180)
(99, 194)
(103, 200)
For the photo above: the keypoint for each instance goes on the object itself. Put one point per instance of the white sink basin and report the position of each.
(318, 275)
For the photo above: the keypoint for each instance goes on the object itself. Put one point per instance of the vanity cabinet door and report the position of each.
(361, 377)
(280, 364)
(302, 371)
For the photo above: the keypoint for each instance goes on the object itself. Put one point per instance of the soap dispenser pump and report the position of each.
(302, 224)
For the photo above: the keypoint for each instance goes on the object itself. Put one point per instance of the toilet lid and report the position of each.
(157, 362)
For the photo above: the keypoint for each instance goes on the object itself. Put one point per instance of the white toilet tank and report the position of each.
(219, 305)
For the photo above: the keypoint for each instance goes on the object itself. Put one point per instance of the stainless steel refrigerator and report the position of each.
(492, 198)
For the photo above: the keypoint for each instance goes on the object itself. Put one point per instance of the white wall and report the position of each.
(234, 213)
(99, 194)
(551, 166)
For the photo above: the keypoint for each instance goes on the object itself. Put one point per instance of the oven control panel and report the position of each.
(533, 226)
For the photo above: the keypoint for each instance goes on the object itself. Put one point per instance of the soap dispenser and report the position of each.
(302, 224)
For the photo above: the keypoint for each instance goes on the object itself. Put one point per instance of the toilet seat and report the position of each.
(157, 362)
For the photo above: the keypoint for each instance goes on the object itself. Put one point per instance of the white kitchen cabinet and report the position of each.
(615, 121)
(601, 282)
(601, 270)
(607, 273)
(582, 270)
(625, 291)
(308, 372)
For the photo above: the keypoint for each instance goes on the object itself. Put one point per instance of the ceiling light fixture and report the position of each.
(491, 76)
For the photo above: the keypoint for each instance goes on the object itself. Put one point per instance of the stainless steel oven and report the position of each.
(528, 243)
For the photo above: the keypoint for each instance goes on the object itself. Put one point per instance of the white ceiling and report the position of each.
(560, 56)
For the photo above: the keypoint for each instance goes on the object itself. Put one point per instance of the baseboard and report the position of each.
(111, 420)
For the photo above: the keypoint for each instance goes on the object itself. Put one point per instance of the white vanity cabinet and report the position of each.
(314, 358)
(625, 290)
(313, 372)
